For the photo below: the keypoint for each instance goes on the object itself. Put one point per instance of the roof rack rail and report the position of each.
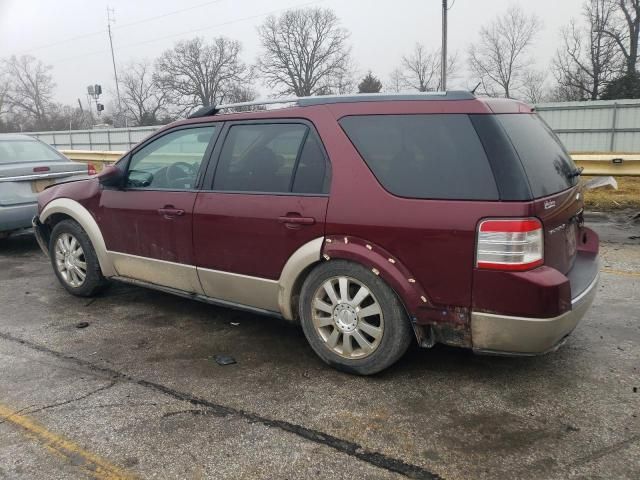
(204, 112)
(329, 99)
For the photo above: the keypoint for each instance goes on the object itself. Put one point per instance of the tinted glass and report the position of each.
(506, 166)
(26, 151)
(312, 174)
(424, 156)
(259, 158)
(547, 164)
(171, 161)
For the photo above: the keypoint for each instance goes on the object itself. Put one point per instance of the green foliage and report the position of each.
(370, 84)
(626, 86)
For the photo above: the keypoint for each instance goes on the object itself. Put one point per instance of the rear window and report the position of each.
(436, 156)
(15, 151)
(547, 164)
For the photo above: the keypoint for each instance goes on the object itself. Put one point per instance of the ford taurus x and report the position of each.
(370, 220)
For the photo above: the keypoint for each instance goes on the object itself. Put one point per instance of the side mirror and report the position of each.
(111, 176)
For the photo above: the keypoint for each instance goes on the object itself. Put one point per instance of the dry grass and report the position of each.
(627, 195)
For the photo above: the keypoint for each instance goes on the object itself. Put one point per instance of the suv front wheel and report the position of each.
(352, 319)
(74, 259)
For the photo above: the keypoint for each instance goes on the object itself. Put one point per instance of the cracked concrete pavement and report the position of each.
(139, 389)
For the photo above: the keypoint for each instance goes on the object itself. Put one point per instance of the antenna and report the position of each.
(475, 88)
(112, 19)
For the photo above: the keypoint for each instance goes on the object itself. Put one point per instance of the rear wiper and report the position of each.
(576, 173)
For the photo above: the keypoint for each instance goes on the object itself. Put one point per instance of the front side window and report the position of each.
(171, 161)
(435, 156)
(271, 158)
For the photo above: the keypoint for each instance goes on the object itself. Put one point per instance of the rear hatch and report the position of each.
(27, 167)
(554, 181)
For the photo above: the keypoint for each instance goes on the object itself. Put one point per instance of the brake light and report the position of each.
(91, 169)
(510, 244)
(40, 169)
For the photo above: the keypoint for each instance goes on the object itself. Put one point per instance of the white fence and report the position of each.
(598, 126)
(105, 139)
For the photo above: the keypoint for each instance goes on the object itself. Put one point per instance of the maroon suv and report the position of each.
(368, 219)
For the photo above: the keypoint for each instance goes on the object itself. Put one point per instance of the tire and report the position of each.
(72, 255)
(376, 340)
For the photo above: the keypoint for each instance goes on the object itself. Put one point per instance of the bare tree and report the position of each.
(499, 58)
(421, 69)
(396, 81)
(194, 73)
(534, 88)
(29, 90)
(626, 30)
(305, 52)
(143, 100)
(588, 58)
(4, 89)
(240, 94)
(66, 117)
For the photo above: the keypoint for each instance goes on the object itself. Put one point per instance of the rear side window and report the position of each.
(436, 156)
(271, 158)
(547, 164)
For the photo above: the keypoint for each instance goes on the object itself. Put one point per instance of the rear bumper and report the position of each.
(17, 217)
(512, 335)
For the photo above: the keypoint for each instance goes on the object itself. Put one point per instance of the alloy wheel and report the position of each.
(347, 317)
(70, 260)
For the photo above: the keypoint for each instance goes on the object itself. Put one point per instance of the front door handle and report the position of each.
(296, 220)
(169, 211)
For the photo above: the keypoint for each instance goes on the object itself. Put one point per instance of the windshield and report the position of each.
(17, 151)
(547, 164)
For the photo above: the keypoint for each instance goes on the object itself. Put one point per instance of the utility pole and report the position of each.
(112, 19)
(443, 61)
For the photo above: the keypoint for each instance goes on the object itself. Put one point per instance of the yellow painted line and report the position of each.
(621, 272)
(92, 464)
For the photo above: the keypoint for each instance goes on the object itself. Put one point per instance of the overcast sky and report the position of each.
(71, 35)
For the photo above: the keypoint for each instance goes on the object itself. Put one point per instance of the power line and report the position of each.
(222, 24)
(189, 31)
(100, 32)
(137, 22)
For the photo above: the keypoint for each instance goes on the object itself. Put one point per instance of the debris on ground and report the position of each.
(82, 325)
(235, 324)
(223, 360)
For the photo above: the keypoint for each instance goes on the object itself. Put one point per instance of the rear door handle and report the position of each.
(297, 220)
(169, 212)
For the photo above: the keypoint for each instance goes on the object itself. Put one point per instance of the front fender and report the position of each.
(80, 214)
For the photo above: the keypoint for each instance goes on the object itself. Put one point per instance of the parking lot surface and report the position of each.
(137, 393)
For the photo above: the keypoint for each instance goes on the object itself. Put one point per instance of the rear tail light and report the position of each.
(91, 169)
(510, 244)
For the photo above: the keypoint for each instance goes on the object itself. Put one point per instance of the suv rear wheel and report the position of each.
(74, 259)
(352, 319)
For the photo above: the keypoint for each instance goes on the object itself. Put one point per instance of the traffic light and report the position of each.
(99, 106)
